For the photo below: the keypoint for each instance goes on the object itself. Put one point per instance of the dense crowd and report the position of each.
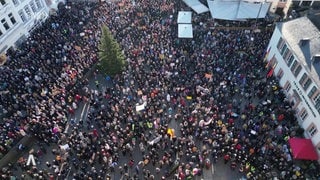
(203, 99)
(38, 79)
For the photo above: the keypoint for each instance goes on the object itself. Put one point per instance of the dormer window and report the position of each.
(316, 58)
(304, 41)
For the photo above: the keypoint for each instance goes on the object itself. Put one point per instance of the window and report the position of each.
(290, 60)
(296, 99)
(2, 2)
(317, 102)
(294, 65)
(318, 147)
(39, 5)
(27, 10)
(33, 7)
(316, 98)
(287, 86)
(286, 54)
(22, 16)
(15, 2)
(284, 48)
(312, 130)
(280, 73)
(312, 91)
(307, 84)
(303, 78)
(5, 24)
(289, 54)
(297, 71)
(303, 114)
(12, 19)
(273, 62)
(280, 44)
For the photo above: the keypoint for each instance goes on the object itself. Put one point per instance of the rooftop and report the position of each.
(303, 37)
(315, 19)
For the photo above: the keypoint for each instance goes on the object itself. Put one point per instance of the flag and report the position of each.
(270, 73)
(170, 132)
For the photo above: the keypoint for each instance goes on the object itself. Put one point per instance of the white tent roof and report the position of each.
(238, 9)
(197, 6)
(184, 17)
(251, 10)
(185, 31)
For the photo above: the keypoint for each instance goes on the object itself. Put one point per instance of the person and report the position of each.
(159, 64)
(233, 165)
(97, 83)
(226, 158)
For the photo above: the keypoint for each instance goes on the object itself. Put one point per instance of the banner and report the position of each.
(154, 141)
(141, 107)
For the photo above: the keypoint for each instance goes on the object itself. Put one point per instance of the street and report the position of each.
(217, 171)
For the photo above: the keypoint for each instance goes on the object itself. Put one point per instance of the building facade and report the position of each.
(285, 6)
(294, 56)
(306, 3)
(280, 7)
(19, 17)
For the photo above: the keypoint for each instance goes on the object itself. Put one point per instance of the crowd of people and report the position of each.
(38, 81)
(180, 104)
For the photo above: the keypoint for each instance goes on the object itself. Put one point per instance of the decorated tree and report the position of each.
(112, 60)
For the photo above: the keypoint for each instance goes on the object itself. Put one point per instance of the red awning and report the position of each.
(302, 149)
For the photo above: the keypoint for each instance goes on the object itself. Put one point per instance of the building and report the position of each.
(284, 7)
(306, 3)
(294, 56)
(280, 7)
(19, 18)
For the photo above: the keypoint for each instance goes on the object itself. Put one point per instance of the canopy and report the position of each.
(302, 149)
(185, 31)
(184, 17)
(238, 9)
(197, 6)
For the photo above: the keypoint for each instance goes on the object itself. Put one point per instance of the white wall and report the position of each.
(288, 76)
